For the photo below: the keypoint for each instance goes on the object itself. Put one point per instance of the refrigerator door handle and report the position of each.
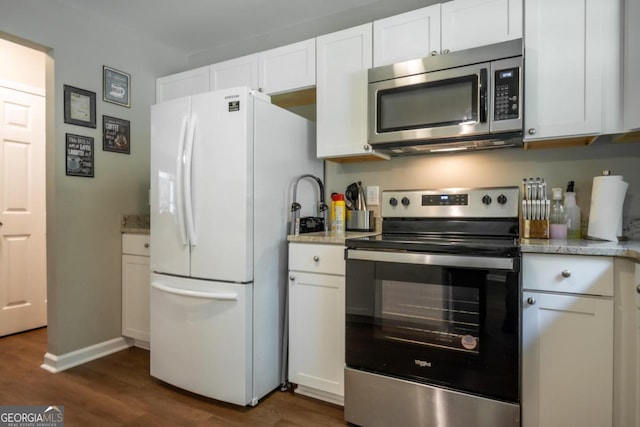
(221, 296)
(188, 200)
(179, 181)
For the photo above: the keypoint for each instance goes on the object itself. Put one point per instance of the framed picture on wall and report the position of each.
(116, 135)
(116, 86)
(79, 107)
(79, 155)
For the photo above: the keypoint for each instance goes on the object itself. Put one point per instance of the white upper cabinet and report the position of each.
(288, 67)
(473, 23)
(411, 35)
(343, 59)
(632, 65)
(182, 84)
(572, 68)
(241, 71)
(443, 28)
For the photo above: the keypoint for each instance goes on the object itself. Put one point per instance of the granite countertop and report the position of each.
(624, 249)
(135, 224)
(329, 237)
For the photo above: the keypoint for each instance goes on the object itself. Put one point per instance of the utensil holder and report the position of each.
(535, 228)
(360, 220)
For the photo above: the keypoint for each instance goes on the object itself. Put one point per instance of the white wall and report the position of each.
(83, 214)
(502, 167)
(27, 66)
(314, 27)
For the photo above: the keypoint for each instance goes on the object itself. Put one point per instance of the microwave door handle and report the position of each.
(484, 105)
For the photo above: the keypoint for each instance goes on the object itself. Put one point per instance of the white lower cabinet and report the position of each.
(626, 372)
(567, 339)
(135, 288)
(316, 320)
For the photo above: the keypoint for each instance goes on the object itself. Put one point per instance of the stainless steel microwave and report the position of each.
(466, 99)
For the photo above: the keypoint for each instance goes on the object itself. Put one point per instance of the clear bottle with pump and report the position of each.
(557, 216)
(572, 211)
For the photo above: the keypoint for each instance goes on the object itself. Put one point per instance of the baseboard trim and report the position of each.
(320, 395)
(55, 364)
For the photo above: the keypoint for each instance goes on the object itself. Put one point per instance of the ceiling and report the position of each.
(194, 26)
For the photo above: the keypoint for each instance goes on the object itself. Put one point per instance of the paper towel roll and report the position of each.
(605, 215)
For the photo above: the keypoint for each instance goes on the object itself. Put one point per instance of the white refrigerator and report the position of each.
(222, 168)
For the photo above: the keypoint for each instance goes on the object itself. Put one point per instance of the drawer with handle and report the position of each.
(316, 258)
(575, 274)
(135, 244)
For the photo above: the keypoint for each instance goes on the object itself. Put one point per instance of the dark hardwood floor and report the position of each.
(117, 391)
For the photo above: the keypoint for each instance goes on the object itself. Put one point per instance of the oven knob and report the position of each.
(486, 199)
(502, 199)
(405, 201)
(393, 201)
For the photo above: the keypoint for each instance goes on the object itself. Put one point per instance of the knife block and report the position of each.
(535, 228)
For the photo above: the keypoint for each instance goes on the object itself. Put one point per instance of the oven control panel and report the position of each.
(491, 202)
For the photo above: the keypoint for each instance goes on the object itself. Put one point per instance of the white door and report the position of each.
(201, 337)
(169, 244)
(473, 23)
(567, 346)
(316, 331)
(23, 287)
(343, 59)
(411, 35)
(235, 72)
(221, 185)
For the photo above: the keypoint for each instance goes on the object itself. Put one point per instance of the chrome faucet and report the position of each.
(295, 206)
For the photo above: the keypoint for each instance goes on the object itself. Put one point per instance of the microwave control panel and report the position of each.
(506, 105)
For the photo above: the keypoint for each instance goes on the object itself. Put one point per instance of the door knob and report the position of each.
(531, 300)
(146, 245)
(566, 273)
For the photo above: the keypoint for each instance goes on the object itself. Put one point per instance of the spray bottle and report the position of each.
(572, 211)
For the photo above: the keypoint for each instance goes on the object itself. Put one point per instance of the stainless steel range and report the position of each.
(432, 329)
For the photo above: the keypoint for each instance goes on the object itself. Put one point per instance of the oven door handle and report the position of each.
(461, 261)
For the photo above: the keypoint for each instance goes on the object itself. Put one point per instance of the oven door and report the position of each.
(440, 104)
(444, 320)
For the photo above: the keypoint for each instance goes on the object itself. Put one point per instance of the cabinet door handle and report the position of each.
(566, 273)
(531, 301)
(434, 52)
(366, 147)
(531, 131)
(638, 289)
(316, 258)
(292, 277)
(146, 245)
(446, 51)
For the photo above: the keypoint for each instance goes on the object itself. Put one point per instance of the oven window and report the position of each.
(451, 326)
(433, 315)
(427, 105)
